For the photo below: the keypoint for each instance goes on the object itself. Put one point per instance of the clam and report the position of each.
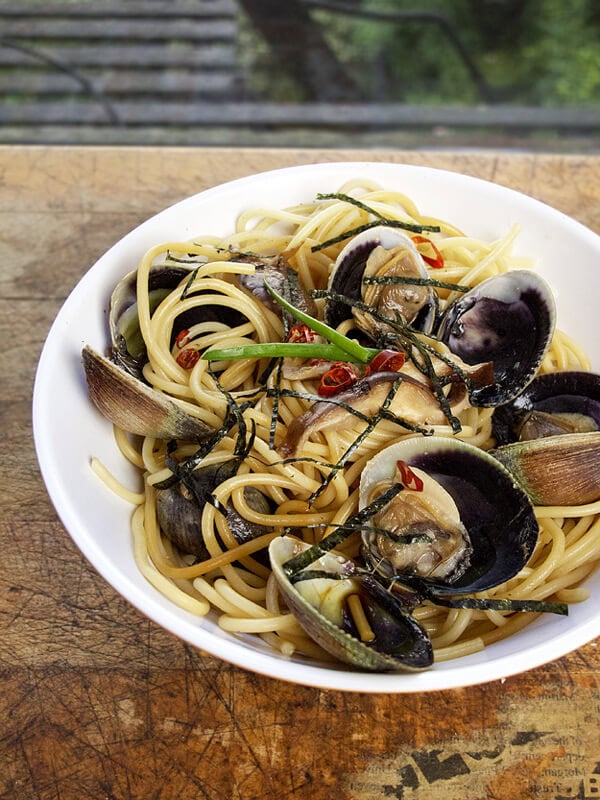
(555, 403)
(509, 320)
(380, 253)
(279, 275)
(462, 524)
(128, 346)
(179, 509)
(134, 406)
(549, 438)
(561, 470)
(414, 403)
(129, 349)
(349, 613)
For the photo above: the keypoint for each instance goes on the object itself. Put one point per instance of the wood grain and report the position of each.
(99, 702)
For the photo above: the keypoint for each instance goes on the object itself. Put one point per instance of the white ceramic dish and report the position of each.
(68, 430)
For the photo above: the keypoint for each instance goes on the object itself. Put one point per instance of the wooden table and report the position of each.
(97, 701)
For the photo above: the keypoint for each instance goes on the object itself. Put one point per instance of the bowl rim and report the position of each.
(460, 673)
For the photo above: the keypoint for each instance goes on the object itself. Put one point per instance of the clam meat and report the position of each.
(349, 613)
(464, 525)
(381, 254)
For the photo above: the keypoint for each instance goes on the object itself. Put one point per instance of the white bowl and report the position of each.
(69, 431)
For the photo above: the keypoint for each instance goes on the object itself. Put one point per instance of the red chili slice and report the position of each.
(301, 333)
(408, 478)
(386, 361)
(183, 337)
(187, 358)
(437, 261)
(340, 376)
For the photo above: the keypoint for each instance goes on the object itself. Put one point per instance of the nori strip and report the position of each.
(307, 557)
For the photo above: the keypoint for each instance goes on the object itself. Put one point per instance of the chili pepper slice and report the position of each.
(387, 361)
(183, 337)
(436, 261)
(301, 333)
(187, 358)
(408, 478)
(341, 376)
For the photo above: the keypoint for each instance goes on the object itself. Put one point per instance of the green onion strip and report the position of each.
(328, 352)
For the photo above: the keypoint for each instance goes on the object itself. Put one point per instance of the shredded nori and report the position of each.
(496, 604)
(391, 280)
(307, 557)
(379, 220)
(275, 393)
(188, 283)
(314, 574)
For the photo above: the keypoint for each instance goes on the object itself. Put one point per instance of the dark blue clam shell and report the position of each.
(509, 320)
(574, 392)
(497, 513)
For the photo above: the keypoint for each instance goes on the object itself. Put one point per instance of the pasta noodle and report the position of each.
(230, 580)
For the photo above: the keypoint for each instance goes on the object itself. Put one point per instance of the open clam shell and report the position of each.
(549, 438)
(495, 511)
(568, 400)
(134, 406)
(509, 320)
(399, 643)
(379, 253)
(179, 510)
(129, 349)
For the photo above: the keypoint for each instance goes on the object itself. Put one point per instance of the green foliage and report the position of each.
(564, 54)
(534, 52)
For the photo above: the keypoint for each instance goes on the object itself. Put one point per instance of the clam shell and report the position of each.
(413, 651)
(347, 273)
(496, 512)
(571, 391)
(508, 319)
(556, 470)
(128, 345)
(136, 407)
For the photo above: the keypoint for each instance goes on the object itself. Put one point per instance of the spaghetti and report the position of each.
(253, 404)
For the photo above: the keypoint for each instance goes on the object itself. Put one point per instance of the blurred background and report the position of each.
(518, 74)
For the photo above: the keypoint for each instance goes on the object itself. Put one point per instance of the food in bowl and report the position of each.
(278, 386)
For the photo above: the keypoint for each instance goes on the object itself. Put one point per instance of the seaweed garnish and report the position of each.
(275, 392)
(313, 553)
(313, 574)
(185, 472)
(180, 470)
(189, 283)
(379, 220)
(391, 280)
(497, 604)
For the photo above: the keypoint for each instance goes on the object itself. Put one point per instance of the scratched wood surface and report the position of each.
(97, 701)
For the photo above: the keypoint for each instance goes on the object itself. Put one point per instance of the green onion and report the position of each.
(329, 352)
(350, 346)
